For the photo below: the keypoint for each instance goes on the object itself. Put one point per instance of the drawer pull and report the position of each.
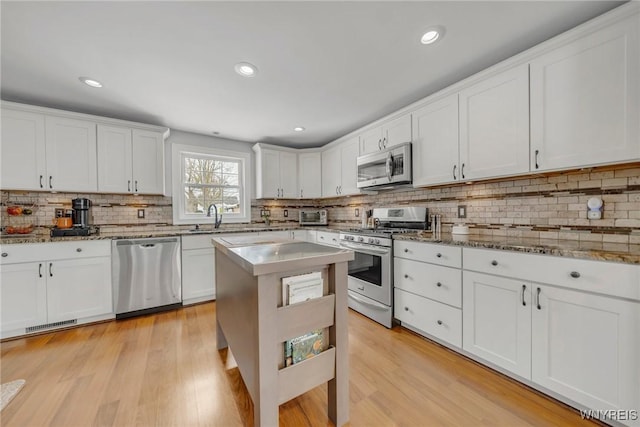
(538, 299)
(439, 322)
(575, 274)
(406, 309)
(361, 288)
(406, 276)
(4, 254)
(439, 255)
(494, 262)
(40, 270)
(79, 250)
(406, 250)
(439, 284)
(524, 288)
(50, 269)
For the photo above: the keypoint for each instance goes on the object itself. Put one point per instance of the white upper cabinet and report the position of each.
(494, 126)
(23, 151)
(393, 132)
(276, 173)
(310, 174)
(585, 98)
(130, 161)
(114, 159)
(148, 161)
(339, 169)
(435, 143)
(71, 154)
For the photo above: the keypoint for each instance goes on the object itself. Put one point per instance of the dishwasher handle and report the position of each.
(146, 243)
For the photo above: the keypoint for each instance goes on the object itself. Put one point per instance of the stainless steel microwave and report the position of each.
(385, 168)
(313, 217)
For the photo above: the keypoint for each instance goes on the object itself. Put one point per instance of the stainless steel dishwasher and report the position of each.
(146, 275)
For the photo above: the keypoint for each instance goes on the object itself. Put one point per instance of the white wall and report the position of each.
(188, 138)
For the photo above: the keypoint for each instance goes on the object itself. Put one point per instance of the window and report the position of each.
(204, 177)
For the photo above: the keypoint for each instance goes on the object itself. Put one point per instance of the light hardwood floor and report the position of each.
(163, 369)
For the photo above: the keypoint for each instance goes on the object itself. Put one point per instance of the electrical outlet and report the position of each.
(59, 212)
(286, 213)
(140, 213)
(357, 212)
(462, 211)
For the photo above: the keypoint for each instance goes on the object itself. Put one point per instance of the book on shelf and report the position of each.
(296, 289)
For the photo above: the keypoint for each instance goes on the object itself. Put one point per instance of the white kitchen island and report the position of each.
(254, 324)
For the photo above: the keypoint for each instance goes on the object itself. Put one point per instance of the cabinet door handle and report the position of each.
(574, 274)
(5, 254)
(439, 255)
(361, 288)
(524, 288)
(379, 144)
(41, 186)
(136, 185)
(439, 284)
(40, 270)
(300, 193)
(537, 152)
(50, 183)
(439, 322)
(337, 190)
(406, 276)
(129, 185)
(340, 189)
(538, 299)
(50, 269)
(406, 308)
(79, 250)
(406, 250)
(384, 142)
(494, 262)
(462, 171)
(454, 171)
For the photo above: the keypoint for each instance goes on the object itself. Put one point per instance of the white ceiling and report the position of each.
(331, 67)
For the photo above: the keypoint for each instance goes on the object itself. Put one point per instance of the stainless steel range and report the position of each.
(370, 277)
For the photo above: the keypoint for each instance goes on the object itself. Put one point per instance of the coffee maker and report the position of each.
(81, 212)
(81, 218)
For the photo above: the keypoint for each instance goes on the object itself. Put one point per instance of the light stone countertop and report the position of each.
(599, 251)
(258, 256)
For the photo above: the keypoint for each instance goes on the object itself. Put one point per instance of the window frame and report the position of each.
(178, 154)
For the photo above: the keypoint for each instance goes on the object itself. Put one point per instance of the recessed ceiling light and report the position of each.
(90, 82)
(245, 69)
(299, 129)
(432, 35)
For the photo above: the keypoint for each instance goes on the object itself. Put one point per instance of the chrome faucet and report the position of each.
(216, 221)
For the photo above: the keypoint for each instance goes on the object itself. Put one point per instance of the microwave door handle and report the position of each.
(389, 166)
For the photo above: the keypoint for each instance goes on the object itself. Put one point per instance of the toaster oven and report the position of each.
(313, 217)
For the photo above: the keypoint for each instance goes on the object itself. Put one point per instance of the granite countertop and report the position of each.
(258, 256)
(615, 252)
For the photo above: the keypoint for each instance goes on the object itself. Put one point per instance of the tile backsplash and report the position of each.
(552, 205)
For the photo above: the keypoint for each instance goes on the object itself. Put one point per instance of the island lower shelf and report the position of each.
(301, 377)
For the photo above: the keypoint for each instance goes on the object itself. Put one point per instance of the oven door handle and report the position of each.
(376, 306)
(363, 249)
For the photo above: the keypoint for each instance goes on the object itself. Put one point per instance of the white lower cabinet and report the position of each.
(566, 335)
(78, 288)
(329, 238)
(587, 347)
(198, 268)
(496, 321)
(45, 283)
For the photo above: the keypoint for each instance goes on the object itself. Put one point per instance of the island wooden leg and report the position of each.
(265, 403)
(221, 340)
(338, 388)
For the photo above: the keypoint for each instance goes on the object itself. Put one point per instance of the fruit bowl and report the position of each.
(21, 229)
(14, 210)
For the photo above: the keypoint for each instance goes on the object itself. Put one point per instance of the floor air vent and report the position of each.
(51, 325)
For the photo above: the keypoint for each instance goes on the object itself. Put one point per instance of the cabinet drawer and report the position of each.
(443, 284)
(450, 256)
(328, 238)
(198, 241)
(431, 317)
(613, 279)
(30, 252)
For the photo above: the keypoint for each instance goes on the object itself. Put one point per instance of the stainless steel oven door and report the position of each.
(370, 271)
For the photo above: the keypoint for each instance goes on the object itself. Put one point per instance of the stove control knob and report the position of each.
(371, 240)
(361, 239)
(377, 241)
